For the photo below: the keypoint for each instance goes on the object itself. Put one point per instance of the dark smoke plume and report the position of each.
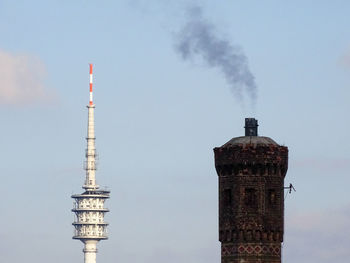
(199, 37)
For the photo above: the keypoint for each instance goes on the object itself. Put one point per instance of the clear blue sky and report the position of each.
(158, 119)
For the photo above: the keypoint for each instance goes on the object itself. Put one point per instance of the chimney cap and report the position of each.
(251, 127)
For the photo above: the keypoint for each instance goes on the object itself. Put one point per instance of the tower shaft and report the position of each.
(90, 250)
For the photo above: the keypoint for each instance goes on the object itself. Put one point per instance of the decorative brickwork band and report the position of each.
(253, 249)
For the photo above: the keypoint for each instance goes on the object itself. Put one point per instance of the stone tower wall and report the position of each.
(251, 205)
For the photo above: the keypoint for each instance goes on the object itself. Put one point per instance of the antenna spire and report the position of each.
(90, 163)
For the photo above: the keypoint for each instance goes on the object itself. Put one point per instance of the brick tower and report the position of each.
(251, 171)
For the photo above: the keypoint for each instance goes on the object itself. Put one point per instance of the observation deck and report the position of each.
(89, 212)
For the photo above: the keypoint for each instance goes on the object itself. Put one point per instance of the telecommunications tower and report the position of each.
(89, 209)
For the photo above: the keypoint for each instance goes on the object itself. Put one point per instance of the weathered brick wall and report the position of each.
(251, 205)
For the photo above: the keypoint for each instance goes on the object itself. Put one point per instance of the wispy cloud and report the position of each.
(344, 59)
(22, 80)
(323, 164)
(319, 236)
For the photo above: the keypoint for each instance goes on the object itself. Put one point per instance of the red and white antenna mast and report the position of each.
(91, 103)
(90, 164)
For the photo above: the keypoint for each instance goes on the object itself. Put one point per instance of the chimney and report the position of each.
(251, 127)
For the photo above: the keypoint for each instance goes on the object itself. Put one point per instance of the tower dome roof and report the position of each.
(250, 140)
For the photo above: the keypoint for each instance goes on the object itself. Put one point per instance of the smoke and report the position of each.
(22, 80)
(199, 37)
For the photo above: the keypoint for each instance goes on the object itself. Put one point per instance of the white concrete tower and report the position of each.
(89, 210)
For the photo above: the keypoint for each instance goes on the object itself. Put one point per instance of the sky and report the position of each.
(160, 113)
